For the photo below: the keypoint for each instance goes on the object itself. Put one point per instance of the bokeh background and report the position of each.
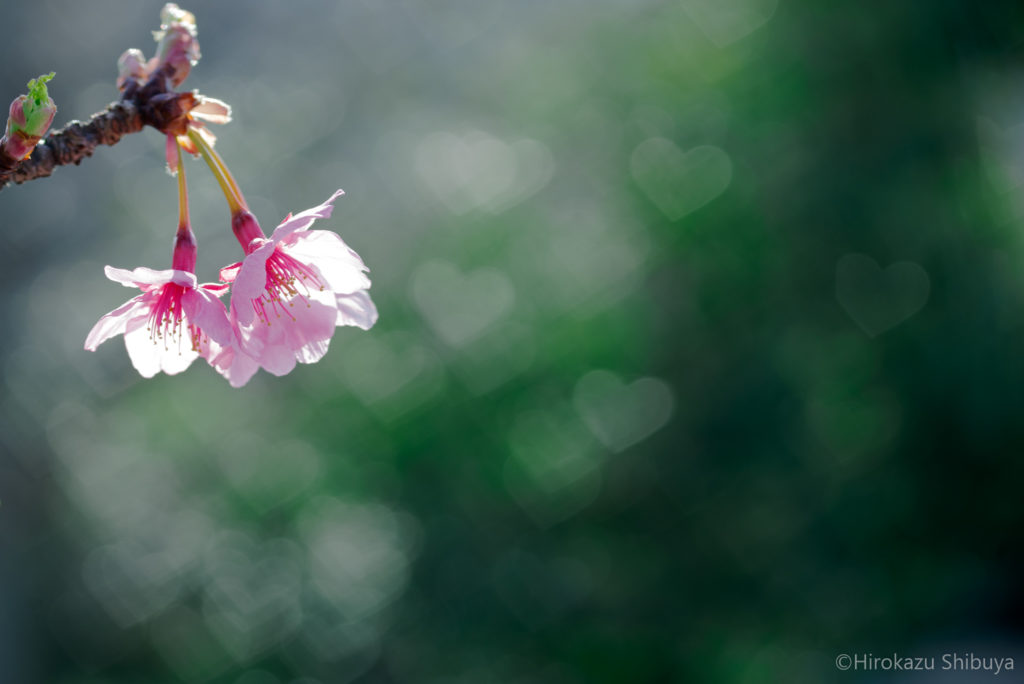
(699, 356)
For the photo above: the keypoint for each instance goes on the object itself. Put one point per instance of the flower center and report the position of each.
(288, 279)
(167, 319)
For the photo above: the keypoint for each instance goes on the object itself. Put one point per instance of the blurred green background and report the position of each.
(699, 355)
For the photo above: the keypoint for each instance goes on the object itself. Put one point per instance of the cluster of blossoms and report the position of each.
(288, 293)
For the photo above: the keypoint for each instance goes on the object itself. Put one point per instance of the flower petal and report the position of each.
(229, 273)
(140, 277)
(184, 278)
(304, 219)
(337, 262)
(187, 145)
(303, 335)
(114, 323)
(356, 309)
(277, 359)
(145, 278)
(216, 289)
(207, 313)
(172, 355)
(171, 151)
(212, 110)
(150, 356)
(204, 132)
(236, 366)
(251, 282)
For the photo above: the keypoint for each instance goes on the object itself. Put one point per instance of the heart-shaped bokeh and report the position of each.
(476, 170)
(678, 182)
(460, 307)
(878, 299)
(621, 414)
(727, 22)
(554, 470)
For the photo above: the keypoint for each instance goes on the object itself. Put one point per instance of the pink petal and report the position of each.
(236, 366)
(229, 273)
(251, 282)
(184, 278)
(150, 356)
(278, 359)
(356, 309)
(188, 145)
(205, 133)
(251, 339)
(304, 219)
(210, 348)
(207, 313)
(142, 351)
(303, 336)
(145, 278)
(214, 111)
(140, 277)
(114, 323)
(171, 151)
(309, 335)
(216, 289)
(337, 262)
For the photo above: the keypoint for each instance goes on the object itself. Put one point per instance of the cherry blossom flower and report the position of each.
(290, 293)
(173, 322)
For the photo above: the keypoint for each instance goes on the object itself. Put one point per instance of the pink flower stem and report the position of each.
(185, 248)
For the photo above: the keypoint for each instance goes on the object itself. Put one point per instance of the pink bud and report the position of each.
(29, 117)
(16, 115)
(177, 47)
(131, 65)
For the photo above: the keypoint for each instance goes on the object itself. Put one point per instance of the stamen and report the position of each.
(288, 279)
(166, 316)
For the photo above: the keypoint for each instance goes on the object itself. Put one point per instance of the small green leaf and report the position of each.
(37, 89)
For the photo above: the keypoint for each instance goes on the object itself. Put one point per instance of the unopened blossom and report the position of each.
(290, 293)
(177, 51)
(177, 46)
(131, 66)
(28, 119)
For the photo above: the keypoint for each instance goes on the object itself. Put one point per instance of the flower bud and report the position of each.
(177, 48)
(131, 65)
(29, 118)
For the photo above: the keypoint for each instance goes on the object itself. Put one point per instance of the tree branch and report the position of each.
(152, 104)
(73, 143)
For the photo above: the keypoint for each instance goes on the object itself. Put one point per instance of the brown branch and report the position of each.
(151, 104)
(75, 142)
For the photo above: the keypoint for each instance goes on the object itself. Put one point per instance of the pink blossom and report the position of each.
(169, 325)
(290, 293)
